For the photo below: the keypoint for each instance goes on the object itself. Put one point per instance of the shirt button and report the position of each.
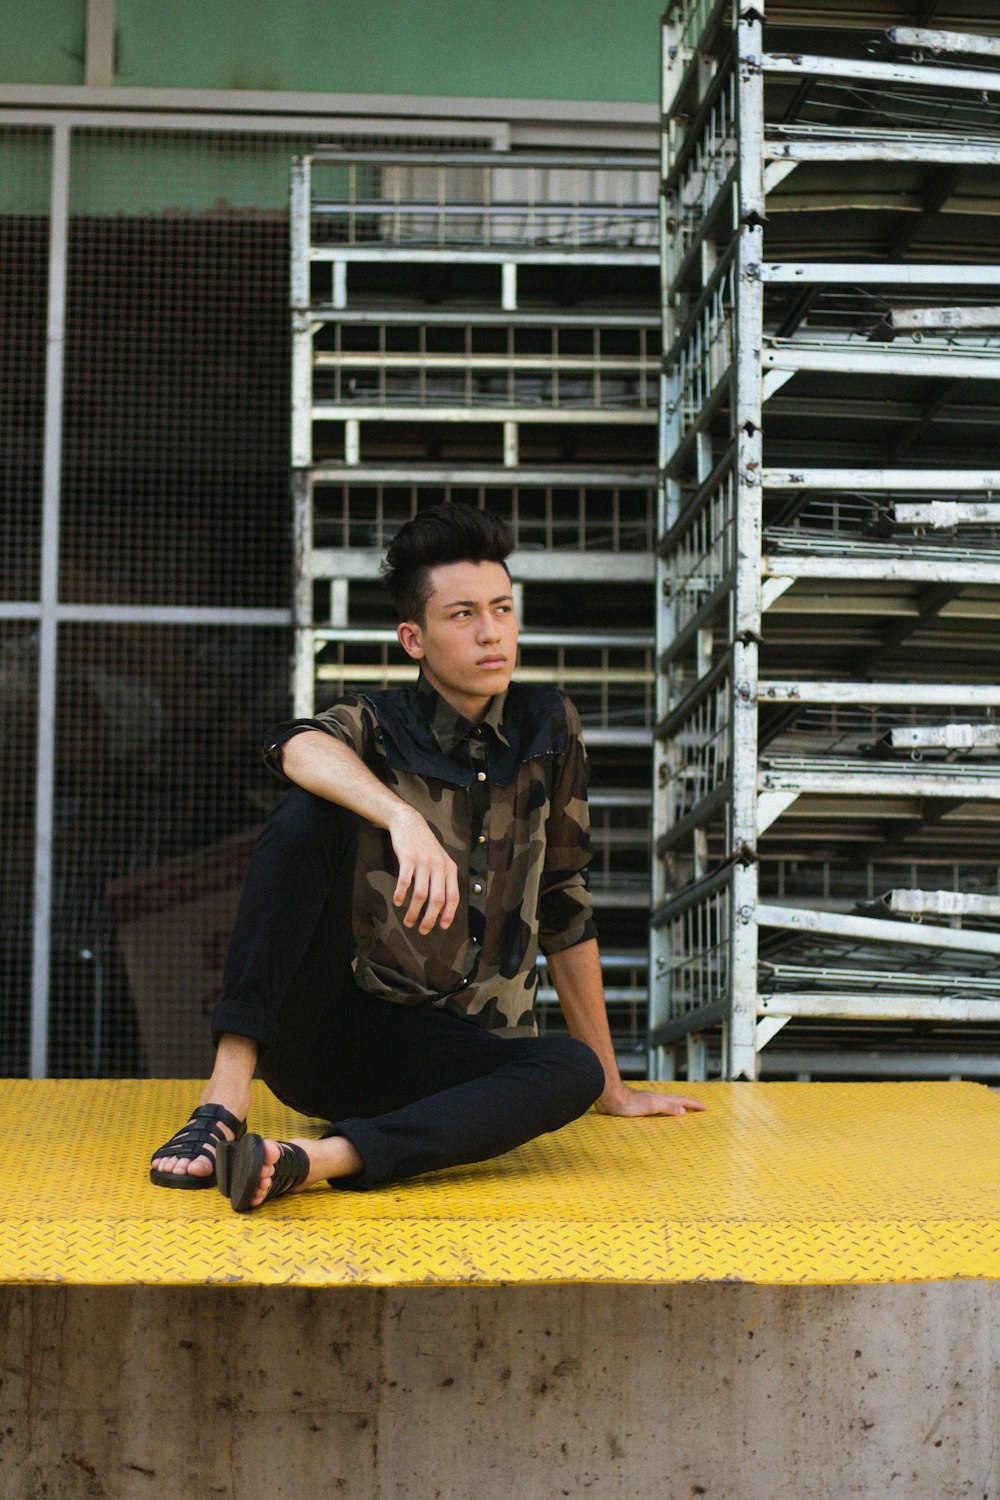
(477, 733)
(477, 888)
(480, 775)
(481, 839)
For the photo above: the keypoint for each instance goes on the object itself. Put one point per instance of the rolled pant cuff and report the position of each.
(364, 1137)
(242, 1020)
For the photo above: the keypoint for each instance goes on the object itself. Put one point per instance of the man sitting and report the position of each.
(381, 973)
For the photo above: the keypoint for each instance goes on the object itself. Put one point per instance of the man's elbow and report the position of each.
(297, 754)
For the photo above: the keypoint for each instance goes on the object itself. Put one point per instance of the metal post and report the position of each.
(302, 338)
(661, 1058)
(697, 1058)
(511, 445)
(99, 48)
(303, 671)
(49, 601)
(741, 1059)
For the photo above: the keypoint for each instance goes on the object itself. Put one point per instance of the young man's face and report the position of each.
(467, 644)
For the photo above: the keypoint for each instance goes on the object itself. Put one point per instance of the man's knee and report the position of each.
(584, 1072)
(307, 822)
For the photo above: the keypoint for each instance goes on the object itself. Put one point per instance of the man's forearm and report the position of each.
(326, 766)
(576, 974)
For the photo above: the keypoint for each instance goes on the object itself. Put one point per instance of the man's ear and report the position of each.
(409, 636)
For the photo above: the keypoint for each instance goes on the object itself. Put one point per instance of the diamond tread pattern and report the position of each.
(777, 1184)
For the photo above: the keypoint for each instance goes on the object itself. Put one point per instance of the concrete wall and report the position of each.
(722, 1391)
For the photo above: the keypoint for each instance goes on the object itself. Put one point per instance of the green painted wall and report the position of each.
(148, 174)
(555, 49)
(536, 49)
(42, 41)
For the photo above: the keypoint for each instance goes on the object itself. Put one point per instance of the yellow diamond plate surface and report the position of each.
(777, 1183)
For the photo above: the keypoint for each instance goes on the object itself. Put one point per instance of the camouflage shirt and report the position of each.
(508, 800)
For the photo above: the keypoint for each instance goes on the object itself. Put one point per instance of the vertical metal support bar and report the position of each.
(99, 47)
(340, 284)
(339, 598)
(661, 1060)
(302, 358)
(697, 1059)
(673, 56)
(45, 764)
(700, 859)
(303, 667)
(508, 286)
(300, 229)
(741, 1053)
(352, 441)
(299, 292)
(511, 445)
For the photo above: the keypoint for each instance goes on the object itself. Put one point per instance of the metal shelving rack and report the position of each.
(483, 327)
(827, 760)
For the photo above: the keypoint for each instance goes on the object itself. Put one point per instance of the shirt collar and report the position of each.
(448, 726)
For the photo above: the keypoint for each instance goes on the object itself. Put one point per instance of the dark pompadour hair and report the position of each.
(448, 533)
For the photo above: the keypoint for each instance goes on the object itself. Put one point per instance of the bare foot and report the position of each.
(334, 1156)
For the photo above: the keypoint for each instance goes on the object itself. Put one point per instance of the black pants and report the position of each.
(412, 1088)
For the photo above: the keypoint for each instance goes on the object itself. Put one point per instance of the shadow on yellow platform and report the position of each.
(777, 1184)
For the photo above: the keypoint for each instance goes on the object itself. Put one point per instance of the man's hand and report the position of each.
(324, 766)
(576, 973)
(425, 869)
(631, 1102)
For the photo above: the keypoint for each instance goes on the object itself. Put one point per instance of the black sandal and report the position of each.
(244, 1165)
(203, 1130)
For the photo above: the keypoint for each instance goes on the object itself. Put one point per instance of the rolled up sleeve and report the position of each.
(565, 904)
(347, 720)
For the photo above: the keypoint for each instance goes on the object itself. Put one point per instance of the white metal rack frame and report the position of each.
(469, 326)
(828, 561)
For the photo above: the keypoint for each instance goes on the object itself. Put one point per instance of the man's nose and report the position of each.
(489, 630)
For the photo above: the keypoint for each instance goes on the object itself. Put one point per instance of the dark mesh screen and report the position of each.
(176, 419)
(183, 497)
(24, 236)
(24, 240)
(18, 740)
(174, 494)
(159, 793)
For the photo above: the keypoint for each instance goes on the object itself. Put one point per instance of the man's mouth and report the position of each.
(491, 661)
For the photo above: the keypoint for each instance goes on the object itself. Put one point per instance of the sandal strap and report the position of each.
(291, 1168)
(203, 1129)
(220, 1113)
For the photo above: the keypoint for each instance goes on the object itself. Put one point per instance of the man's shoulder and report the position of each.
(404, 735)
(399, 706)
(374, 697)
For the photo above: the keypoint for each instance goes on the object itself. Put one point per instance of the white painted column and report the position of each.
(49, 601)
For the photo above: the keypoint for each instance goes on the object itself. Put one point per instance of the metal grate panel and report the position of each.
(780, 1184)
